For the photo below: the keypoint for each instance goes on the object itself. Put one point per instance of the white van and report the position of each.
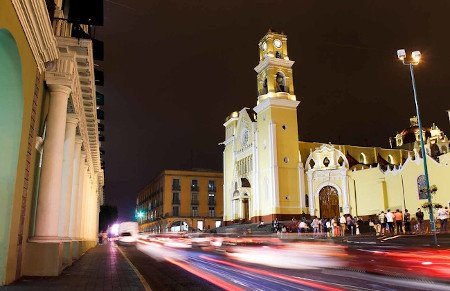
(128, 232)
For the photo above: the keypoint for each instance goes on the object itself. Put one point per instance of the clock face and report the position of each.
(264, 46)
(244, 137)
(277, 43)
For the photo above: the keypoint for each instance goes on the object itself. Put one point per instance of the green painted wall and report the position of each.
(11, 114)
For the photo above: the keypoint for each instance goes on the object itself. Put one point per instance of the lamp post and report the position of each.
(415, 59)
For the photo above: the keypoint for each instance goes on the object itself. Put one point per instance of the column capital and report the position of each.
(72, 118)
(59, 88)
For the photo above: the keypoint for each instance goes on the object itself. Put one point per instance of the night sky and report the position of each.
(175, 69)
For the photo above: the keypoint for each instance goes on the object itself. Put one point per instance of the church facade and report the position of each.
(269, 173)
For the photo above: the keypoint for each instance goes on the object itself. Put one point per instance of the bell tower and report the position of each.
(274, 79)
(278, 150)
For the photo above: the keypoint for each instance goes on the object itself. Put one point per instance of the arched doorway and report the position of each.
(11, 113)
(328, 202)
(245, 209)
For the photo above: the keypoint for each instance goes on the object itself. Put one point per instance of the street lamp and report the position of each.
(415, 59)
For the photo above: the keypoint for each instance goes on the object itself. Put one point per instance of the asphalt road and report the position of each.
(166, 268)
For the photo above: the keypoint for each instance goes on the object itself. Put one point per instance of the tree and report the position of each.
(108, 216)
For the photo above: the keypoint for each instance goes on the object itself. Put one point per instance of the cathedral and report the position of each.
(269, 173)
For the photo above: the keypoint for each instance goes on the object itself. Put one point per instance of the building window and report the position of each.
(362, 158)
(176, 210)
(218, 223)
(200, 225)
(212, 212)
(194, 199)
(306, 200)
(211, 199)
(194, 185)
(176, 184)
(194, 211)
(176, 198)
(422, 187)
(212, 186)
(390, 159)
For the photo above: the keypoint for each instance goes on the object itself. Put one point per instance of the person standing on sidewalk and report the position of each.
(398, 221)
(382, 218)
(443, 216)
(419, 216)
(343, 221)
(390, 221)
(407, 221)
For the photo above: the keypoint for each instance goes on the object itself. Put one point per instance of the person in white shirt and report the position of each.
(390, 221)
(443, 217)
(343, 222)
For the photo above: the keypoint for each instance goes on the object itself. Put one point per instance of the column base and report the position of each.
(43, 258)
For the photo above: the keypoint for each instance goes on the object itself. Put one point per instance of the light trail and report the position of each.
(275, 275)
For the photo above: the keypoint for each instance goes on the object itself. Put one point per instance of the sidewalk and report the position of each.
(101, 268)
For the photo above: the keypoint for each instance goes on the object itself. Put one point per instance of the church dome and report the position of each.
(409, 134)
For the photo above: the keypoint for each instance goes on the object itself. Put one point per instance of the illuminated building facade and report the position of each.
(269, 173)
(51, 174)
(181, 201)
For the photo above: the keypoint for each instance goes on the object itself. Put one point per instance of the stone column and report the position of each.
(80, 195)
(50, 183)
(312, 207)
(345, 198)
(85, 204)
(75, 197)
(67, 176)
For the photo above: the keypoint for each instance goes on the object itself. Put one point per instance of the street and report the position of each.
(176, 267)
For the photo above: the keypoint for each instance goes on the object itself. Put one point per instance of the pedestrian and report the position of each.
(342, 221)
(315, 225)
(334, 225)
(382, 218)
(390, 221)
(419, 216)
(407, 221)
(275, 225)
(398, 221)
(443, 217)
(350, 223)
(302, 226)
(329, 228)
(104, 237)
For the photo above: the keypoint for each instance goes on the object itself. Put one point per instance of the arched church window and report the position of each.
(341, 161)
(280, 82)
(326, 162)
(265, 90)
(390, 159)
(278, 55)
(312, 163)
(422, 187)
(362, 158)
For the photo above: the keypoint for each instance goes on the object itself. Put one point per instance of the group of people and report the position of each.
(336, 226)
(400, 223)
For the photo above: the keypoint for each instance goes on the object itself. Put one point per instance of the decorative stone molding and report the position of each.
(273, 102)
(33, 16)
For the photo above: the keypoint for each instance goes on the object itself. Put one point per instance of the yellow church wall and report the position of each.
(370, 191)
(264, 162)
(10, 22)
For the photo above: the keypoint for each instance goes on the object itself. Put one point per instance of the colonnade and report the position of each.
(68, 204)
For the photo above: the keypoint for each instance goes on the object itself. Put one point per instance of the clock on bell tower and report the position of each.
(274, 79)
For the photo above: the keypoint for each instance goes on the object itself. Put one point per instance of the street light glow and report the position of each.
(401, 53)
(416, 56)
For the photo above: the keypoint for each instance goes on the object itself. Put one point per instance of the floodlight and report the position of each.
(401, 54)
(416, 56)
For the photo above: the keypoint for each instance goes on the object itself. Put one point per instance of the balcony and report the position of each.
(176, 187)
(194, 202)
(176, 201)
(194, 188)
(211, 201)
(211, 188)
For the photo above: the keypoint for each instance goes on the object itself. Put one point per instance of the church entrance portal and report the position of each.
(245, 208)
(328, 202)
